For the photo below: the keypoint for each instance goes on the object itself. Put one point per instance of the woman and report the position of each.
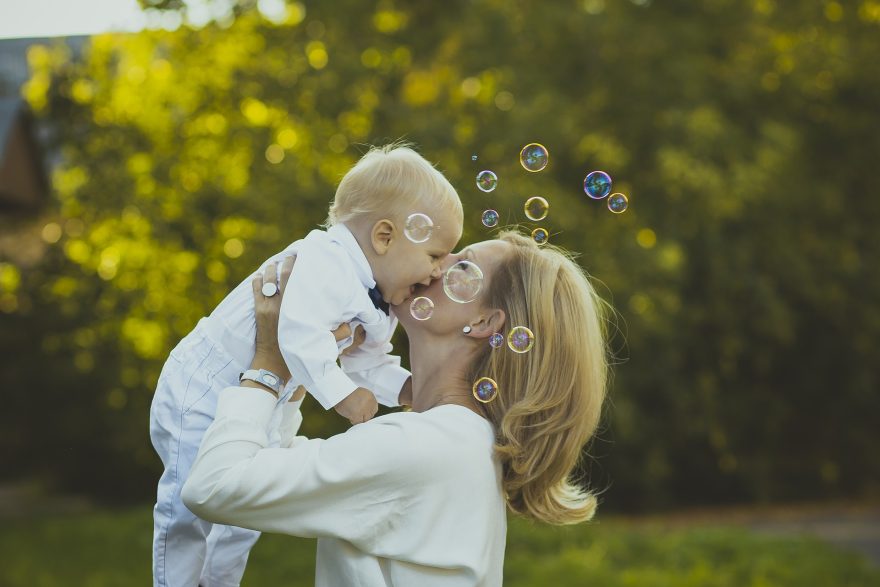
(419, 497)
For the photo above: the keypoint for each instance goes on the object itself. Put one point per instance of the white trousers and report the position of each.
(189, 551)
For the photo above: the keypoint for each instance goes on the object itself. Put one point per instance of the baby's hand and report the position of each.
(359, 406)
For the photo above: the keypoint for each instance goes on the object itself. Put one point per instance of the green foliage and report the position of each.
(744, 133)
(113, 548)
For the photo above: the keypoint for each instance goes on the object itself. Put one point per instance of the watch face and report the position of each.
(270, 379)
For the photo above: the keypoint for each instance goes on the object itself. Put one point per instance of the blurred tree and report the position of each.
(745, 136)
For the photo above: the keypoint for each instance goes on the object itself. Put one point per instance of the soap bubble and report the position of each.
(418, 227)
(485, 389)
(520, 339)
(534, 157)
(536, 208)
(487, 181)
(421, 308)
(597, 184)
(496, 340)
(540, 235)
(617, 203)
(473, 157)
(490, 218)
(463, 281)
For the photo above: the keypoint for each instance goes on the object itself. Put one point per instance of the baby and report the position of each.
(393, 220)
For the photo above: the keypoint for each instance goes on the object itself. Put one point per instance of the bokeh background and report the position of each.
(165, 165)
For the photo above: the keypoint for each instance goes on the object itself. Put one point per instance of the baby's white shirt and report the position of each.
(329, 287)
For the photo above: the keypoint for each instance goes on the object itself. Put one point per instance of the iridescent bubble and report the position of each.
(487, 181)
(534, 157)
(536, 208)
(463, 281)
(496, 340)
(485, 389)
(617, 203)
(473, 157)
(490, 218)
(418, 227)
(520, 339)
(540, 235)
(597, 184)
(421, 308)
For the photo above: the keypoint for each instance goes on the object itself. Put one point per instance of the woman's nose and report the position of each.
(447, 261)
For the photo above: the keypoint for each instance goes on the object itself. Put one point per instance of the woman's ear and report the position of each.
(488, 324)
(381, 236)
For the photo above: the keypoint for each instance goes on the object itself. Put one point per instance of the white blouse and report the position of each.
(404, 499)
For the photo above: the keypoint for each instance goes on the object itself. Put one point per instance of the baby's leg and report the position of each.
(228, 550)
(228, 547)
(182, 409)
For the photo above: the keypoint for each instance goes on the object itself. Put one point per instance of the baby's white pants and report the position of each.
(189, 551)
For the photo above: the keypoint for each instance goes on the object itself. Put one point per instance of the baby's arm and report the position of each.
(372, 366)
(310, 309)
(361, 404)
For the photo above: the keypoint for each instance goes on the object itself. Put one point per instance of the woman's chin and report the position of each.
(405, 299)
(401, 305)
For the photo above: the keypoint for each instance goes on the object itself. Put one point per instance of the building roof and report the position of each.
(9, 109)
(14, 69)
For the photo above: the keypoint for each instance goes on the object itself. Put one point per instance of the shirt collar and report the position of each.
(342, 235)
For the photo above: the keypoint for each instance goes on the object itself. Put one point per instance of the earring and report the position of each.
(466, 329)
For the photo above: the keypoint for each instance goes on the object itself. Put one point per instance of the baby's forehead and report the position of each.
(448, 230)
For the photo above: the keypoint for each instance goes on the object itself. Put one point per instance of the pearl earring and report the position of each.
(466, 329)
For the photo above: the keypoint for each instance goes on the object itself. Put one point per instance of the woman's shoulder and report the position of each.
(445, 437)
(440, 420)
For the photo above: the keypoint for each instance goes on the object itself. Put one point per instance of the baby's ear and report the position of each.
(382, 235)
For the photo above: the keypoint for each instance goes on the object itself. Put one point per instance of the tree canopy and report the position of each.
(745, 135)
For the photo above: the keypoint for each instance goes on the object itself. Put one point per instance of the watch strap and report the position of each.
(265, 378)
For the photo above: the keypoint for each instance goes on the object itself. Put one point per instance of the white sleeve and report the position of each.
(371, 366)
(314, 304)
(349, 486)
(291, 420)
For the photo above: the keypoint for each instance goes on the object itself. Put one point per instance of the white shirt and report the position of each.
(404, 499)
(329, 286)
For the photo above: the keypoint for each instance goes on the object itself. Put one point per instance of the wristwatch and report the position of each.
(263, 377)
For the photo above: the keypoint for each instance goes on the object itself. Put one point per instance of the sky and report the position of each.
(54, 18)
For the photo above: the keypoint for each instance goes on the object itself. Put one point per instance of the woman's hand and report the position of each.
(266, 310)
(344, 331)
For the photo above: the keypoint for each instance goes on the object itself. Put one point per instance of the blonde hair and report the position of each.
(550, 398)
(391, 180)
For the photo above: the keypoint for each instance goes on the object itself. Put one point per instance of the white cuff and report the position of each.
(246, 403)
(389, 380)
(331, 389)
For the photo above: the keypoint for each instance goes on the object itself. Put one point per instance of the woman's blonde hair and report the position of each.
(392, 180)
(550, 398)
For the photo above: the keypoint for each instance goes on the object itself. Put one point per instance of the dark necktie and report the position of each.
(376, 298)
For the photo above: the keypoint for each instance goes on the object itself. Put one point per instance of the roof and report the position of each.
(9, 109)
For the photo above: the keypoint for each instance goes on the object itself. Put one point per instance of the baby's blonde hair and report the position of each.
(550, 398)
(392, 180)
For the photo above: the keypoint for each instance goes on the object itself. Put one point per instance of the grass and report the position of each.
(112, 548)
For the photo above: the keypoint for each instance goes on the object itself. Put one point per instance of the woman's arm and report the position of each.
(267, 355)
(345, 486)
(336, 487)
